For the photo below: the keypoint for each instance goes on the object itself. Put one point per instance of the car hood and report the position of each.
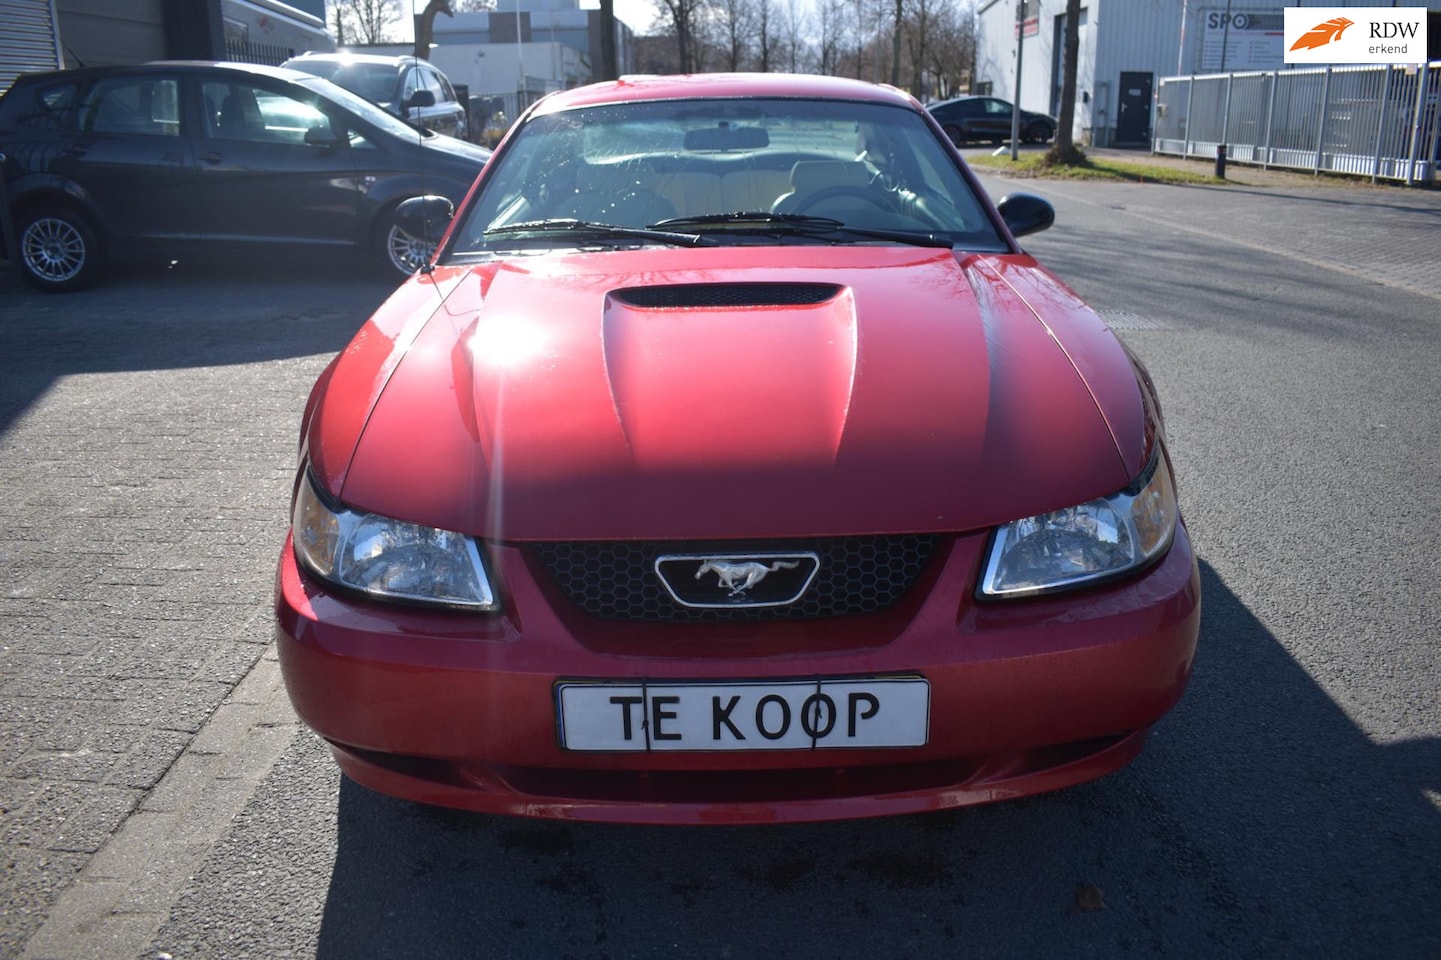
(729, 393)
(455, 147)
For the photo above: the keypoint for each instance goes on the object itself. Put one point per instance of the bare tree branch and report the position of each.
(368, 21)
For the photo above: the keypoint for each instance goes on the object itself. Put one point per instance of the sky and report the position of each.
(636, 14)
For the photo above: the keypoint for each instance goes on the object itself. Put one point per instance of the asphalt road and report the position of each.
(1289, 807)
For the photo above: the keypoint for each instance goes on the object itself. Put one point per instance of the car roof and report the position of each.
(961, 99)
(358, 58)
(184, 66)
(723, 85)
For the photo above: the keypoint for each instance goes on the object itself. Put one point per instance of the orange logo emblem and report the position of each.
(1322, 34)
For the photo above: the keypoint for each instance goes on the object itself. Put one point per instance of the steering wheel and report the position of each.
(881, 201)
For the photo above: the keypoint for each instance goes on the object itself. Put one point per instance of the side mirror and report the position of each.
(1026, 213)
(424, 218)
(420, 98)
(322, 137)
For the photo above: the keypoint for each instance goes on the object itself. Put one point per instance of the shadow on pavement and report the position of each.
(1259, 822)
(190, 315)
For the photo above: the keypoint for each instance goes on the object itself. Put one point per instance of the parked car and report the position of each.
(166, 159)
(412, 89)
(732, 464)
(966, 119)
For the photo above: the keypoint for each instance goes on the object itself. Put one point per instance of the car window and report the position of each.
(146, 106)
(50, 108)
(242, 111)
(373, 81)
(432, 82)
(446, 88)
(412, 82)
(873, 166)
(998, 106)
(362, 108)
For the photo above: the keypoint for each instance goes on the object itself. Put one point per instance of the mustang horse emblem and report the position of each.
(740, 577)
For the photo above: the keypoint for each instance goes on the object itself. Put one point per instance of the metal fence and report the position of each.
(239, 51)
(1380, 122)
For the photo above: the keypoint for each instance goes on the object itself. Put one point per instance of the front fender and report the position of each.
(386, 193)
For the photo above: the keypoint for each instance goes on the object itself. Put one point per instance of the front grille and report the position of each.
(729, 295)
(617, 580)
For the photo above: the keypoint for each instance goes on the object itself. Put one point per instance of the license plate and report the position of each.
(775, 715)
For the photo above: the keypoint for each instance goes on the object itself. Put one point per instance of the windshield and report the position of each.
(364, 109)
(377, 82)
(734, 170)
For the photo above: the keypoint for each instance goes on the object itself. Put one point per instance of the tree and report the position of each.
(425, 25)
(367, 21)
(897, 23)
(794, 27)
(950, 49)
(737, 24)
(1064, 151)
(832, 19)
(684, 19)
(765, 14)
(609, 68)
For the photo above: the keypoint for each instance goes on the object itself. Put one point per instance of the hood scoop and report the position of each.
(683, 295)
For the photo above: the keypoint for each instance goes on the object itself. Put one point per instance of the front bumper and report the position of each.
(457, 710)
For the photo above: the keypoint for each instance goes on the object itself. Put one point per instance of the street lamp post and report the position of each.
(1016, 101)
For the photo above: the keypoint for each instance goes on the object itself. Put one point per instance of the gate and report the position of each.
(1375, 121)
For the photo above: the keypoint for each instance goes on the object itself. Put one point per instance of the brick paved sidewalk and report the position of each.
(148, 444)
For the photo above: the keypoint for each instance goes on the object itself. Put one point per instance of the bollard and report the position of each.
(1220, 161)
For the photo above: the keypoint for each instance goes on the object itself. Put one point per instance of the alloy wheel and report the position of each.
(406, 253)
(54, 249)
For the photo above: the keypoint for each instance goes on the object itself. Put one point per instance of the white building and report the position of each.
(1125, 46)
(535, 46)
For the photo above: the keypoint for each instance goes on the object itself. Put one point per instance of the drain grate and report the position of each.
(1125, 320)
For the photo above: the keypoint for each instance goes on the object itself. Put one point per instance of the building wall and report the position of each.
(496, 68)
(996, 54)
(28, 43)
(1040, 59)
(1137, 36)
(116, 31)
(540, 21)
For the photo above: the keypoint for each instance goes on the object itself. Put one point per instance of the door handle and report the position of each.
(77, 149)
(214, 156)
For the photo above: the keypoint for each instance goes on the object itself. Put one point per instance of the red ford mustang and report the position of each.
(733, 464)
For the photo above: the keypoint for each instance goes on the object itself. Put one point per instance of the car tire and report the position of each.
(58, 249)
(956, 135)
(399, 252)
(1038, 132)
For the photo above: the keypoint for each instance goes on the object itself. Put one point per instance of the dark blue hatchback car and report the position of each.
(169, 159)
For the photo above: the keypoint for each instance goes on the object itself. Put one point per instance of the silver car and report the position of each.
(411, 88)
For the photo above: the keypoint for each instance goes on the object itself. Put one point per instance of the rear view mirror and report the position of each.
(726, 137)
(424, 218)
(420, 98)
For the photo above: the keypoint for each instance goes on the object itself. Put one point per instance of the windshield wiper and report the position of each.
(801, 225)
(587, 227)
(739, 217)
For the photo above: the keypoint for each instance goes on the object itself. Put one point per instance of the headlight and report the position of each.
(388, 559)
(1081, 545)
